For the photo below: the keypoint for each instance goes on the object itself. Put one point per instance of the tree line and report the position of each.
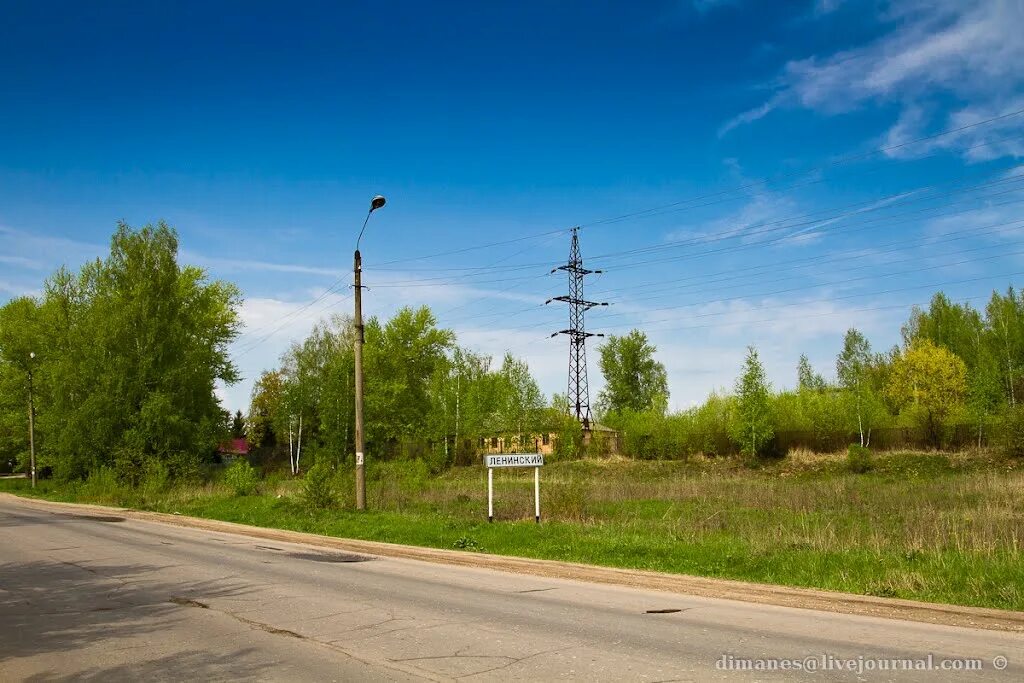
(122, 358)
(956, 368)
(425, 396)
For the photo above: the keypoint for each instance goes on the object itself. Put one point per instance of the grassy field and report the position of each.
(935, 527)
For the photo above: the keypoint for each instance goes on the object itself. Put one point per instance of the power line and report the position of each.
(837, 162)
(602, 221)
(822, 261)
(249, 346)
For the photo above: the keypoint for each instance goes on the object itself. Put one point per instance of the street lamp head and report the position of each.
(375, 203)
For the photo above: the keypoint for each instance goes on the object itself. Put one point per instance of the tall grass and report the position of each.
(929, 526)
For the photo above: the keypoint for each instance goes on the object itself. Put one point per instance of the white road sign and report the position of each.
(515, 460)
(534, 460)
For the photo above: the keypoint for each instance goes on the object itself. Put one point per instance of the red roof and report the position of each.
(236, 446)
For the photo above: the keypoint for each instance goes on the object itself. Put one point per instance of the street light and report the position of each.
(375, 204)
(31, 420)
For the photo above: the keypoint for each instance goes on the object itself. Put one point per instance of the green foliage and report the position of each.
(128, 351)
(238, 425)
(822, 528)
(156, 479)
(520, 402)
(264, 407)
(1011, 432)
(931, 382)
(857, 369)
(102, 485)
(568, 437)
(806, 378)
(318, 487)
(752, 427)
(858, 459)
(634, 380)
(467, 543)
(241, 478)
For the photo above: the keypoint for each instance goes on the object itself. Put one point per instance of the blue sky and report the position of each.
(787, 170)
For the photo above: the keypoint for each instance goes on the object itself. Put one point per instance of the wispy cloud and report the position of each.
(27, 247)
(970, 50)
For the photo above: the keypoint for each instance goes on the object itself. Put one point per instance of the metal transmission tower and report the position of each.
(579, 390)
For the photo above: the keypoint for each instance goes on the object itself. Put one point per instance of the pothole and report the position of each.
(186, 602)
(96, 518)
(669, 610)
(332, 557)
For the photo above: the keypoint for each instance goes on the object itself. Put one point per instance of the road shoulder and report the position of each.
(783, 596)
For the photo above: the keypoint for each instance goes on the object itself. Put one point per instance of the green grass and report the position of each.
(932, 527)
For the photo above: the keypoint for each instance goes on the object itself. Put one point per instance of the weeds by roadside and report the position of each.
(931, 526)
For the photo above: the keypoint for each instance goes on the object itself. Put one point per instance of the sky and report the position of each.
(743, 173)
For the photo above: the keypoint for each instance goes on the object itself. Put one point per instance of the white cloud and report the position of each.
(29, 247)
(21, 261)
(970, 50)
(749, 116)
(225, 265)
(15, 289)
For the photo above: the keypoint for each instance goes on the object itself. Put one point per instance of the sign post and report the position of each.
(534, 460)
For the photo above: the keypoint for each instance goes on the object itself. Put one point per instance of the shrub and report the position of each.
(102, 484)
(155, 478)
(567, 500)
(858, 459)
(569, 440)
(241, 478)
(1011, 432)
(318, 487)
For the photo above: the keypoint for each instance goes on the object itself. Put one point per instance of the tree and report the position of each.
(20, 337)
(265, 409)
(238, 425)
(1004, 317)
(752, 428)
(984, 393)
(634, 380)
(401, 359)
(807, 378)
(953, 326)
(931, 381)
(130, 350)
(521, 402)
(852, 367)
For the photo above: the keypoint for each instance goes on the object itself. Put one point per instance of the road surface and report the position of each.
(92, 596)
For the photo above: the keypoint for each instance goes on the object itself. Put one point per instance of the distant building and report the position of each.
(233, 448)
(544, 442)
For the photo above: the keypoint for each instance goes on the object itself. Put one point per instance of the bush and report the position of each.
(1011, 432)
(567, 500)
(102, 485)
(858, 459)
(318, 488)
(241, 478)
(155, 478)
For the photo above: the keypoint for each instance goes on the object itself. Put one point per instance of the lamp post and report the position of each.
(31, 420)
(375, 204)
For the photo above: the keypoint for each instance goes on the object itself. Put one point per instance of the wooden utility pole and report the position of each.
(31, 421)
(360, 458)
(357, 269)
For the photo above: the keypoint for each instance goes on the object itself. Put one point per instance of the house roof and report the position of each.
(236, 446)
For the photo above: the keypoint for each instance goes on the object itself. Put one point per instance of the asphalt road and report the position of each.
(98, 597)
